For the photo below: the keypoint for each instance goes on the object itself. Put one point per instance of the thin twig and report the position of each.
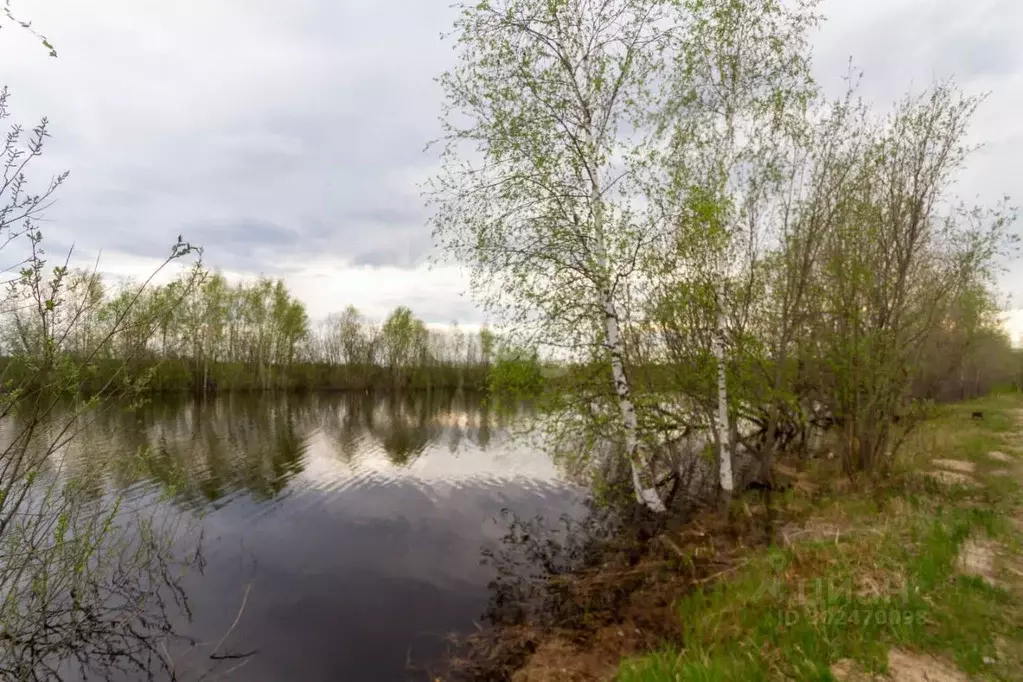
(238, 616)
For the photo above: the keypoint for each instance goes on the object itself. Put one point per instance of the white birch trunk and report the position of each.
(642, 483)
(643, 487)
(646, 493)
(724, 435)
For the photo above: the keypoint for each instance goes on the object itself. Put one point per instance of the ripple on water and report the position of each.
(358, 522)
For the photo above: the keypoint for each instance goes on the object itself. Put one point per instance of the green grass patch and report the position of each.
(889, 579)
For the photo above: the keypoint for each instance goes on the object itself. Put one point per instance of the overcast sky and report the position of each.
(287, 137)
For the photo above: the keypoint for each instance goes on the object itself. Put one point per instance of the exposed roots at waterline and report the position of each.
(570, 602)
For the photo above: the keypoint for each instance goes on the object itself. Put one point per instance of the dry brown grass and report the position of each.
(951, 478)
(955, 465)
(903, 666)
(977, 558)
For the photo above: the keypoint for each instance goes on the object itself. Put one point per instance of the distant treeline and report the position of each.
(201, 333)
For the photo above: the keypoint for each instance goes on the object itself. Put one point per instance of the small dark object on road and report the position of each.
(977, 415)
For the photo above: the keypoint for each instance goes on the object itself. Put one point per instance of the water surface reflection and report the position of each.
(358, 521)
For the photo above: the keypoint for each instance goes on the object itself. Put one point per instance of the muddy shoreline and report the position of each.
(573, 598)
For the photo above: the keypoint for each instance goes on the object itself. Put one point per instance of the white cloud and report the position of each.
(326, 285)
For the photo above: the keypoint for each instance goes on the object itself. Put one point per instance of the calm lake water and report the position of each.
(357, 521)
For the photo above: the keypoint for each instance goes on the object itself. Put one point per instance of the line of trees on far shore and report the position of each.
(203, 333)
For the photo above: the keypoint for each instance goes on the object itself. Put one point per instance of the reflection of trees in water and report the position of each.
(343, 420)
(200, 452)
(71, 441)
(407, 427)
(484, 433)
(271, 438)
(404, 425)
(401, 425)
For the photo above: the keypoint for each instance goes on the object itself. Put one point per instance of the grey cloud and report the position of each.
(900, 44)
(248, 244)
(398, 256)
(273, 137)
(975, 56)
(386, 215)
(261, 231)
(301, 121)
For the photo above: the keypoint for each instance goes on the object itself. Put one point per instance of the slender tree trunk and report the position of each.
(646, 493)
(724, 435)
(642, 482)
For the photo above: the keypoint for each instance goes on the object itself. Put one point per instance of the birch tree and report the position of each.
(740, 92)
(352, 337)
(578, 135)
(543, 133)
